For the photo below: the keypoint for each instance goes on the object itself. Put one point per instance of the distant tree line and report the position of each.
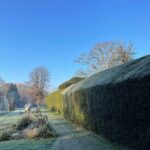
(10, 91)
(33, 91)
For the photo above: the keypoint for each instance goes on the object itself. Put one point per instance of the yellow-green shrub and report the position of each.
(54, 101)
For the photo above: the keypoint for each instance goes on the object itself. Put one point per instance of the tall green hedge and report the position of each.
(114, 103)
(54, 101)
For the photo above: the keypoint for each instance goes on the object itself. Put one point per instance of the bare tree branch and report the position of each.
(105, 55)
(39, 80)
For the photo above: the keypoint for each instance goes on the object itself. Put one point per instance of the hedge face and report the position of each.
(75, 107)
(54, 101)
(120, 111)
(123, 111)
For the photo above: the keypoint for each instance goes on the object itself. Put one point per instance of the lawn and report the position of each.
(41, 144)
(8, 120)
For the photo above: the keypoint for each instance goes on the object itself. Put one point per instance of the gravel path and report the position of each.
(73, 137)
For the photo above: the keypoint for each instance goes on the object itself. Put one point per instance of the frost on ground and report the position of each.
(70, 136)
(73, 137)
(6, 123)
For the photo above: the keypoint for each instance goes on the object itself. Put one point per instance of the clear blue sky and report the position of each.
(54, 32)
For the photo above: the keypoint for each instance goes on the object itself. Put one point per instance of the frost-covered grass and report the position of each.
(7, 121)
(41, 144)
(10, 119)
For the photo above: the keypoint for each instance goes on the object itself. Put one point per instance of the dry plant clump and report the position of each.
(24, 122)
(29, 127)
(31, 133)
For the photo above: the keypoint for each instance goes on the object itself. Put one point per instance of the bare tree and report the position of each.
(39, 80)
(125, 52)
(103, 56)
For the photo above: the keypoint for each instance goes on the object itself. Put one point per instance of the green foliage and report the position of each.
(75, 108)
(115, 104)
(54, 101)
(13, 92)
(24, 122)
(11, 104)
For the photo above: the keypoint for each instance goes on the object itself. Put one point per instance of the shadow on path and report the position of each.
(73, 137)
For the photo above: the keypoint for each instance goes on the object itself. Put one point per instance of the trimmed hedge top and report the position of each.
(133, 69)
(70, 82)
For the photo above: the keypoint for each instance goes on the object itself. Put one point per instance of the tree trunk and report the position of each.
(38, 103)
